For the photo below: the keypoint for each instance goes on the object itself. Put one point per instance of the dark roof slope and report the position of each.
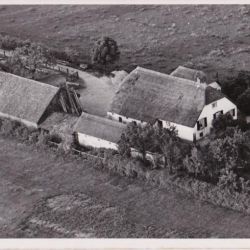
(147, 95)
(24, 98)
(213, 95)
(99, 127)
(190, 74)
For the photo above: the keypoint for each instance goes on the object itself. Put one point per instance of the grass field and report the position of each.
(44, 195)
(214, 38)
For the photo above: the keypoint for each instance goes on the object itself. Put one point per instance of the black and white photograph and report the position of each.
(124, 121)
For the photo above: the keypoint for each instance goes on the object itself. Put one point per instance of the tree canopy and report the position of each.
(105, 52)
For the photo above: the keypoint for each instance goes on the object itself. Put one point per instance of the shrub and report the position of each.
(8, 127)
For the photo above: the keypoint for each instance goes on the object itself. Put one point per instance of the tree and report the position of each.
(168, 144)
(138, 137)
(72, 55)
(105, 52)
(28, 59)
(222, 122)
(234, 87)
(195, 163)
(243, 102)
(124, 147)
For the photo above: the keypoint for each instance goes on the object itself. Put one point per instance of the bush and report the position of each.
(8, 127)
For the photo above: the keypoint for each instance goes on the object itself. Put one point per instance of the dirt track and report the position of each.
(42, 195)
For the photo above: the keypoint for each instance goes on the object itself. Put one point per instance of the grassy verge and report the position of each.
(132, 168)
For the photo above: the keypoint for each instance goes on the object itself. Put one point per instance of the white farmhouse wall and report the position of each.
(87, 140)
(125, 120)
(25, 122)
(208, 112)
(184, 132)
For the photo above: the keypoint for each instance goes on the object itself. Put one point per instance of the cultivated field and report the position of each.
(44, 195)
(213, 38)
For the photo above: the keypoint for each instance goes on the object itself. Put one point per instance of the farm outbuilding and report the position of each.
(25, 100)
(98, 132)
(189, 74)
(149, 96)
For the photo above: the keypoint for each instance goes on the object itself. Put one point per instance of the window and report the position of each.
(202, 123)
(217, 114)
(231, 112)
(214, 105)
(120, 119)
(134, 122)
(159, 123)
(201, 134)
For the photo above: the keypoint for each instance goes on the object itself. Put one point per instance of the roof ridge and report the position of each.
(102, 119)
(182, 80)
(27, 79)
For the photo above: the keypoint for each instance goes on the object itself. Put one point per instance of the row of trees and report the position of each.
(222, 160)
(238, 89)
(28, 59)
(154, 139)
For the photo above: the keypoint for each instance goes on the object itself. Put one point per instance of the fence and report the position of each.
(55, 144)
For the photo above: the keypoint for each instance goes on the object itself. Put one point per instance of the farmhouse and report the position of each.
(188, 104)
(98, 132)
(25, 100)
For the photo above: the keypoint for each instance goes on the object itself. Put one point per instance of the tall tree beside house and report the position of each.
(141, 138)
(105, 52)
(169, 146)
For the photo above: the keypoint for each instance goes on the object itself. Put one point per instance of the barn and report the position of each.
(149, 96)
(25, 100)
(98, 132)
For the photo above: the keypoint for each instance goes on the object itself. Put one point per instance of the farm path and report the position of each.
(44, 195)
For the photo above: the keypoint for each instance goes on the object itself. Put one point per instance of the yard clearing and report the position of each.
(97, 93)
(46, 195)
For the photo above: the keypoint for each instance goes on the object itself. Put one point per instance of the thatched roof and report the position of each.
(189, 74)
(213, 95)
(59, 121)
(24, 98)
(99, 127)
(148, 95)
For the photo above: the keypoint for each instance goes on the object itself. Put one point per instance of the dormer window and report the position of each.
(214, 105)
(202, 123)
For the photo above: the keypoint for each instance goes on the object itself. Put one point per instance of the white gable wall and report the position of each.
(208, 112)
(87, 140)
(184, 132)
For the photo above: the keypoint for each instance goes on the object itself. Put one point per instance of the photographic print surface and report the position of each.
(124, 121)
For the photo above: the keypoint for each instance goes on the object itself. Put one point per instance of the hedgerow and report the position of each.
(222, 194)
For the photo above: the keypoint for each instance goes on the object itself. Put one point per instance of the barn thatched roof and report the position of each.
(24, 98)
(189, 74)
(148, 95)
(99, 127)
